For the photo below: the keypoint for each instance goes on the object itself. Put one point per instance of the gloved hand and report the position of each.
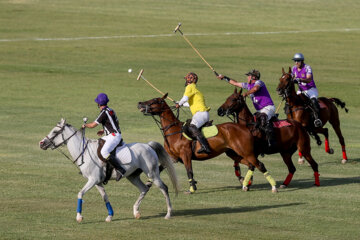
(297, 80)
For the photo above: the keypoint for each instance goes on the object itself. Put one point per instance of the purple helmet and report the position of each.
(102, 99)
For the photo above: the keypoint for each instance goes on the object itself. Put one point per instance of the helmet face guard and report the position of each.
(102, 99)
(190, 78)
(298, 57)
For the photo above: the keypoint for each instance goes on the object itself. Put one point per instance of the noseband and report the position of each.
(285, 92)
(51, 140)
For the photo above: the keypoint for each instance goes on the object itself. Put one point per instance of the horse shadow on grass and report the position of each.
(194, 212)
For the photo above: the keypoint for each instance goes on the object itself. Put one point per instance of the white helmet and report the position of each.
(298, 57)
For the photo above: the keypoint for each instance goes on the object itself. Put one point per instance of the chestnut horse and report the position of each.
(290, 137)
(240, 149)
(296, 109)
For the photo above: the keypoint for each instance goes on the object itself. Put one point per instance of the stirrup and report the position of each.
(317, 123)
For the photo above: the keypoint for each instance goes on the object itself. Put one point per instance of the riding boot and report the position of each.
(205, 148)
(269, 132)
(120, 171)
(316, 107)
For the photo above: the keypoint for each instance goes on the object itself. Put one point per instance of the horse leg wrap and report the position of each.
(288, 179)
(79, 205)
(237, 169)
(247, 178)
(109, 208)
(344, 152)
(327, 147)
(317, 180)
(193, 187)
(270, 179)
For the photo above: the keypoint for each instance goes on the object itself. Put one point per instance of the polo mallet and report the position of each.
(85, 119)
(277, 109)
(177, 29)
(142, 77)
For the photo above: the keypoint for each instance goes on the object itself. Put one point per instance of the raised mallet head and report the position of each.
(140, 74)
(177, 28)
(85, 119)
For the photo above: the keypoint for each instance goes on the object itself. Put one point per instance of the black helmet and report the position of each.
(254, 73)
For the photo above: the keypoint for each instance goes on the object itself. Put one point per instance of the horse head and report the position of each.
(155, 106)
(55, 138)
(233, 104)
(286, 83)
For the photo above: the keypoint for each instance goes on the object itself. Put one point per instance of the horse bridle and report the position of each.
(285, 92)
(231, 113)
(54, 146)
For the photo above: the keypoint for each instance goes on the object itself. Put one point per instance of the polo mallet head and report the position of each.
(178, 28)
(85, 119)
(140, 74)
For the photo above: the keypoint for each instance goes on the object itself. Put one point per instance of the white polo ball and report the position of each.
(129, 70)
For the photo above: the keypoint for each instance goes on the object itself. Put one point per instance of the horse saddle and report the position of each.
(208, 130)
(121, 152)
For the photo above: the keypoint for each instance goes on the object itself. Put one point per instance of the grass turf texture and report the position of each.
(42, 81)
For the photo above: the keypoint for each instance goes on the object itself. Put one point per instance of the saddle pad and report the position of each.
(208, 132)
(123, 153)
(281, 123)
(322, 105)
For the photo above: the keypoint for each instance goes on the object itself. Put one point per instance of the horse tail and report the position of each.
(167, 163)
(340, 103)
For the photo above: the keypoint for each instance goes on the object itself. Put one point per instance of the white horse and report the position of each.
(145, 157)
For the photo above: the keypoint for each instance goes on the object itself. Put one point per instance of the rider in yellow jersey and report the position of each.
(195, 100)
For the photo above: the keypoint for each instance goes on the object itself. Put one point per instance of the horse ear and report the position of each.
(289, 70)
(240, 91)
(235, 90)
(283, 71)
(62, 121)
(165, 96)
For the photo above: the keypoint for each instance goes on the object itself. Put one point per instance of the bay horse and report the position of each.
(145, 158)
(289, 137)
(296, 109)
(240, 149)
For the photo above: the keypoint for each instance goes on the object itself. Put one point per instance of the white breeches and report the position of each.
(311, 93)
(269, 111)
(110, 143)
(200, 118)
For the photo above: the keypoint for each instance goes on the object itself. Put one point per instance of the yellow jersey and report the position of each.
(196, 99)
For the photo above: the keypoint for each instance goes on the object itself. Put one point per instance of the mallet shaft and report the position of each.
(142, 77)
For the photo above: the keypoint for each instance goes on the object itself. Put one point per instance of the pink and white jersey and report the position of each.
(302, 74)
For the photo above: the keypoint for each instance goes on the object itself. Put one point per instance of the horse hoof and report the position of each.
(79, 219)
(137, 215)
(167, 217)
(108, 219)
(274, 190)
(187, 192)
(241, 180)
(344, 161)
(301, 161)
(331, 151)
(245, 189)
(283, 186)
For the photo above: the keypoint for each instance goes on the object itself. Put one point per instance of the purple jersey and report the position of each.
(260, 98)
(302, 74)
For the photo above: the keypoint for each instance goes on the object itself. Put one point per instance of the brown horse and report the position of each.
(296, 109)
(227, 141)
(289, 137)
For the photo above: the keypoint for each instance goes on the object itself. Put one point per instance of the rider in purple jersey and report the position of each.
(303, 75)
(260, 97)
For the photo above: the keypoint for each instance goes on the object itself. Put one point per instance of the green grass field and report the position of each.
(56, 56)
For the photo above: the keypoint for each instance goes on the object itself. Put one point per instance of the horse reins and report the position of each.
(64, 142)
